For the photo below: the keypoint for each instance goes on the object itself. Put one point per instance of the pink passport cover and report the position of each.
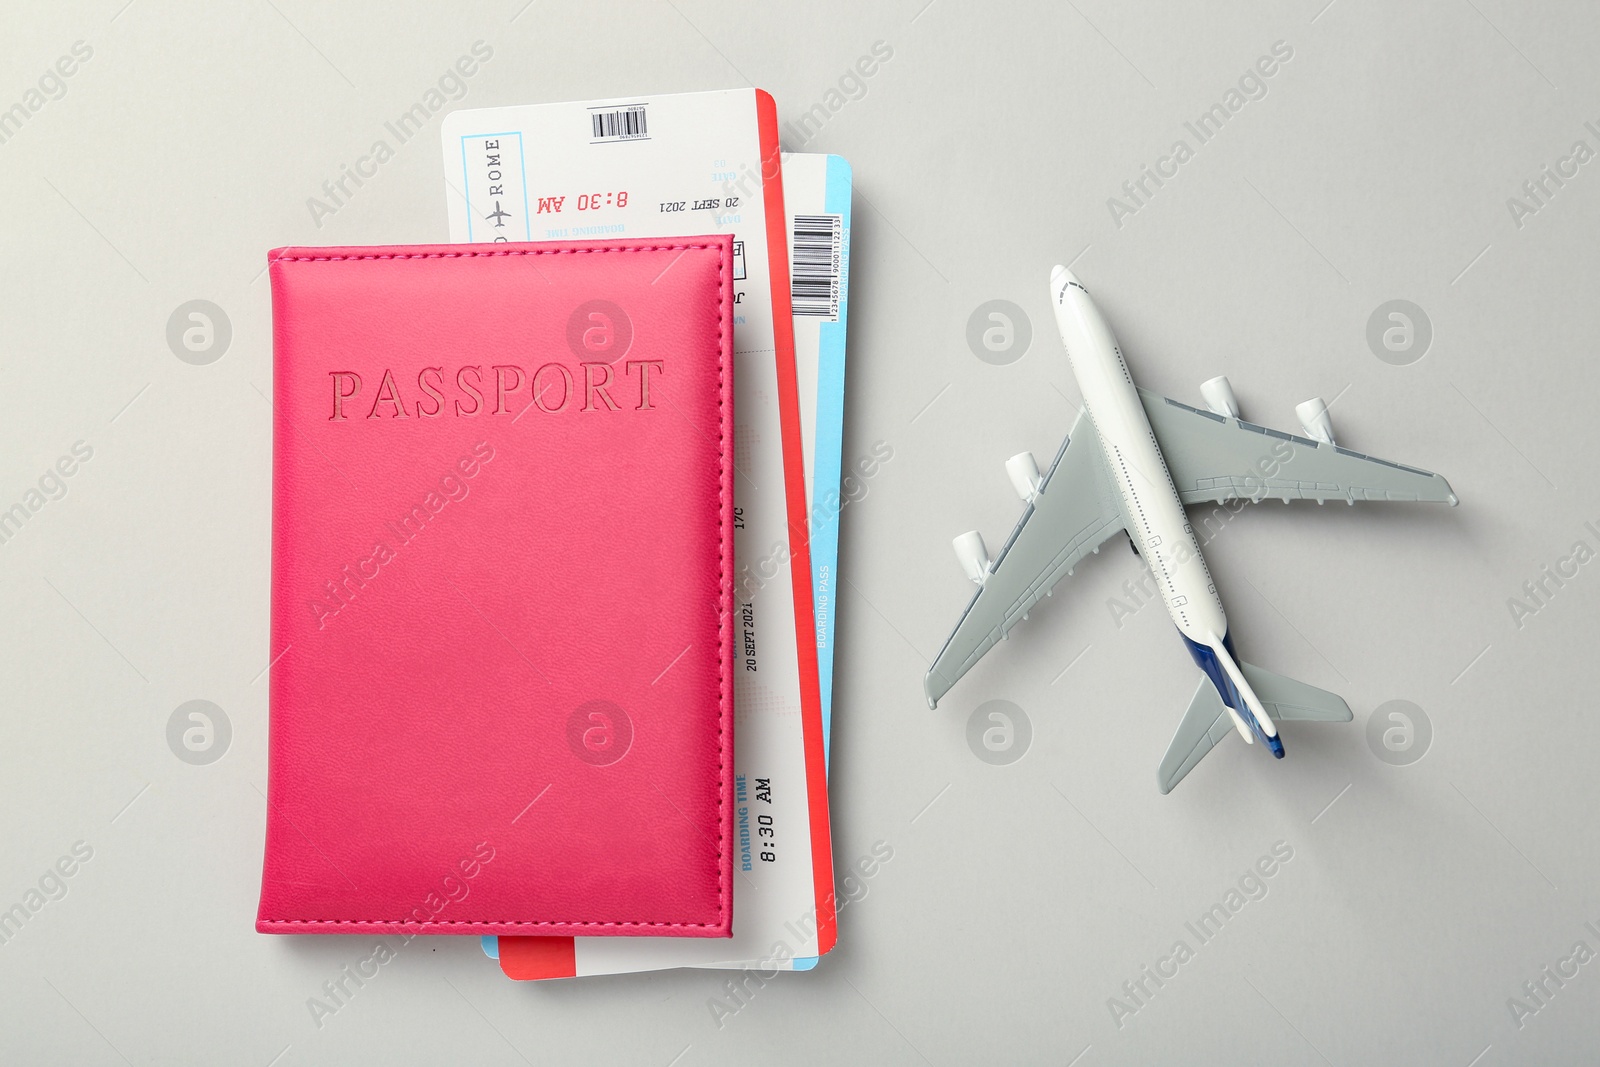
(502, 551)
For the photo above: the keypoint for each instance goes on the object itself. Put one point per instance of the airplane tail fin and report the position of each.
(1207, 720)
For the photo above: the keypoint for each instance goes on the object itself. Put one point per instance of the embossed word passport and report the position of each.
(502, 578)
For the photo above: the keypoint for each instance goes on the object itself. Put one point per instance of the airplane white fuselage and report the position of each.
(1157, 521)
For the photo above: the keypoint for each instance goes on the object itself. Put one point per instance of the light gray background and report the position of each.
(1019, 897)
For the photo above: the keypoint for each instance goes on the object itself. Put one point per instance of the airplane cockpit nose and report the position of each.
(1061, 277)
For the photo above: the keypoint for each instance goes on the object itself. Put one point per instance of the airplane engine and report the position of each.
(1219, 397)
(1313, 416)
(973, 555)
(1025, 478)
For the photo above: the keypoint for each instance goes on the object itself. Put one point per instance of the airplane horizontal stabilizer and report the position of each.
(1207, 722)
(1204, 724)
(1290, 701)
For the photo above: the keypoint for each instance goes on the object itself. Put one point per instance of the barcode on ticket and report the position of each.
(621, 124)
(816, 245)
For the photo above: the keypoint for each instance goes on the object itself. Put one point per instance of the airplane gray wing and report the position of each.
(1076, 509)
(1215, 458)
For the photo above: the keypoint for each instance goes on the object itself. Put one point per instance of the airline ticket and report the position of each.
(673, 166)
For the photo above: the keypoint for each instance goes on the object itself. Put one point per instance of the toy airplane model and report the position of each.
(1131, 463)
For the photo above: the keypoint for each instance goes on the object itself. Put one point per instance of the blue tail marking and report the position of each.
(1208, 662)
